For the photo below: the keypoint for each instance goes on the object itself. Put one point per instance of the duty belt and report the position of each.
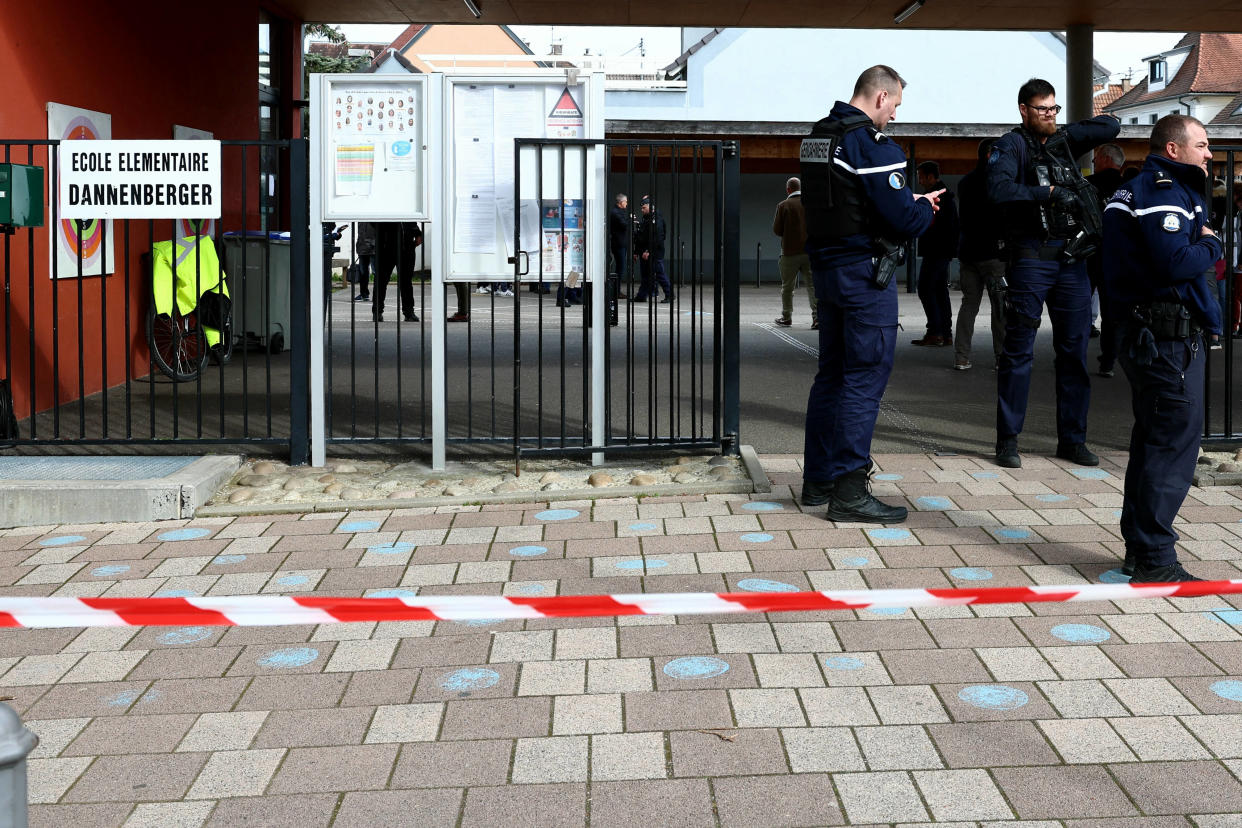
(1045, 252)
(1167, 321)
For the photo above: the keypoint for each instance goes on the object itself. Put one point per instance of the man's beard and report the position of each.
(1041, 127)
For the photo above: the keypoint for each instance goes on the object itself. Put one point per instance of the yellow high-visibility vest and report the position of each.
(198, 273)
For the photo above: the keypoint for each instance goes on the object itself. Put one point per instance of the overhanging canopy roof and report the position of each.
(1034, 15)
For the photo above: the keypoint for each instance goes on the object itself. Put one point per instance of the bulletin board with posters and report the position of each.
(561, 187)
(374, 132)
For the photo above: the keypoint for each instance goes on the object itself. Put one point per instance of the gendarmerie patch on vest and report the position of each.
(896, 181)
(1171, 223)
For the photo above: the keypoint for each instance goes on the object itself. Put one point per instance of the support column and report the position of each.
(1079, 67)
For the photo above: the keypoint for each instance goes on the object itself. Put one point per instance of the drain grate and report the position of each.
(90, 468)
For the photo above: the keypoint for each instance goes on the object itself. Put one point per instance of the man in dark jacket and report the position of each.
(937, 248)
(619, 226)
(650, 244)
(1108, 161)
(980, 255)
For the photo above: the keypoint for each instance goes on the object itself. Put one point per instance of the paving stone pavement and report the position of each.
(1118, 714)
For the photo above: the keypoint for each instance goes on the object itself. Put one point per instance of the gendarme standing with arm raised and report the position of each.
(1052, 222)
(858, 212)
(1159, 252)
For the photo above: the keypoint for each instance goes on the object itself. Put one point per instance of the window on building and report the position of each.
(1134, 120)
(1152, 118)
(271, 62)
(1158, 68)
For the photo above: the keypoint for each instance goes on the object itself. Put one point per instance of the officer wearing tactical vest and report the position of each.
(858, 212)
(1159, 252)
(1052, 220)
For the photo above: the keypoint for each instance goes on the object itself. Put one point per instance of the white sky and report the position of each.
(1115, 50)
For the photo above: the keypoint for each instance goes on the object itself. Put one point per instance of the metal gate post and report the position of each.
(299, 299)
(731, 305)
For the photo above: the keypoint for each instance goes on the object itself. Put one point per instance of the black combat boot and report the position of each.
(1172, 573)
(851, 502)
(1007, 453)
(817, 492)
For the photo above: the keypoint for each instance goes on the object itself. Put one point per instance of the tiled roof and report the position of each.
(1103, 99)
(1226, 114)
(1214, 65)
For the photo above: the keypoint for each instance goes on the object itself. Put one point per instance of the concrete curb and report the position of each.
(1205, 478)
(757, 482)
(38, 502)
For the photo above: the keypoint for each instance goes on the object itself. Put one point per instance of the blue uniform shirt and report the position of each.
(880, 168)
(1153, 250)
(1011, 185)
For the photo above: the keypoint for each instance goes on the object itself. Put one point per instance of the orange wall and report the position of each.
(446, 39)
(149, 64)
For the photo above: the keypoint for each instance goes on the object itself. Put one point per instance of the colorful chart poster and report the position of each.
(355, 167)
(89, 241)
(564, 239)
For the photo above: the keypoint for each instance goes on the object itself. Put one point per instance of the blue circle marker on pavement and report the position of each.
(184, 534)
(62, 540)
(993, 696)
(756, 537)
(889, 534)
(856, 561)
(642, 527)
(1230, 616)
(531, 589)
(1051, 498)
(1227, 689)
(557, 514)
(635, 564)
(766, 585)
(392, 592)
(656, 563)
(844, 663)
(1114, 576)
(359, 526)
(886, 610)
(762, 506)
(228, 559)
(1090, 474)
(176, 593)
(528, 551)
(888, 477)
(469, 679)
(971, 573)
(481, 622)
(1081, 633)
(393, 548)
(123, 698)
(288, 657)
(933, 503)
(985, 475)
(696, 667)
(1012, 533)
(292, 580)
(109, 569)
(185, 635)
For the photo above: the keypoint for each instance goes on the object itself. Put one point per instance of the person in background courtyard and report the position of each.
(937, 247)
(982, 269)
(790, 224)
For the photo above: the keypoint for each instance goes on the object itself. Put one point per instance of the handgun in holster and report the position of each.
(888, 256)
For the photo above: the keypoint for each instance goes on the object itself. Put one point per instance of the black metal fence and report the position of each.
(116, 332)
(1220, 393)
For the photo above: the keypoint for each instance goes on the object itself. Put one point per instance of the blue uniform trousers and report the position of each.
(651, 270)
(1065, 289)
(1167, 397)
(857, 336)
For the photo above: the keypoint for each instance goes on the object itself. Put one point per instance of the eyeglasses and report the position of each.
(1055, 109)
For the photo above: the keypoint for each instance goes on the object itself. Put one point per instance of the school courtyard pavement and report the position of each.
(1101, 714)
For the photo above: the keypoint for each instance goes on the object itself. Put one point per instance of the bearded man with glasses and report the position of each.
(1052, 223)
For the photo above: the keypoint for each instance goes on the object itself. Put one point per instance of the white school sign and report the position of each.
(139, 179)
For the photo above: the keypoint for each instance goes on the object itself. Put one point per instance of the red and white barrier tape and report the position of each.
(271, 610)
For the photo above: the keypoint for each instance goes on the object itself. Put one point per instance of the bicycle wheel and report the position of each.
(178, 345)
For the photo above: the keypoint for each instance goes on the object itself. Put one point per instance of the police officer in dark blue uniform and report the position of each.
(1052, 220)
(858, 211)
(1159, 252)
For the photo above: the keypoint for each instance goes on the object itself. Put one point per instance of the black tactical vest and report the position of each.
(833, 200)
(1051, 164)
